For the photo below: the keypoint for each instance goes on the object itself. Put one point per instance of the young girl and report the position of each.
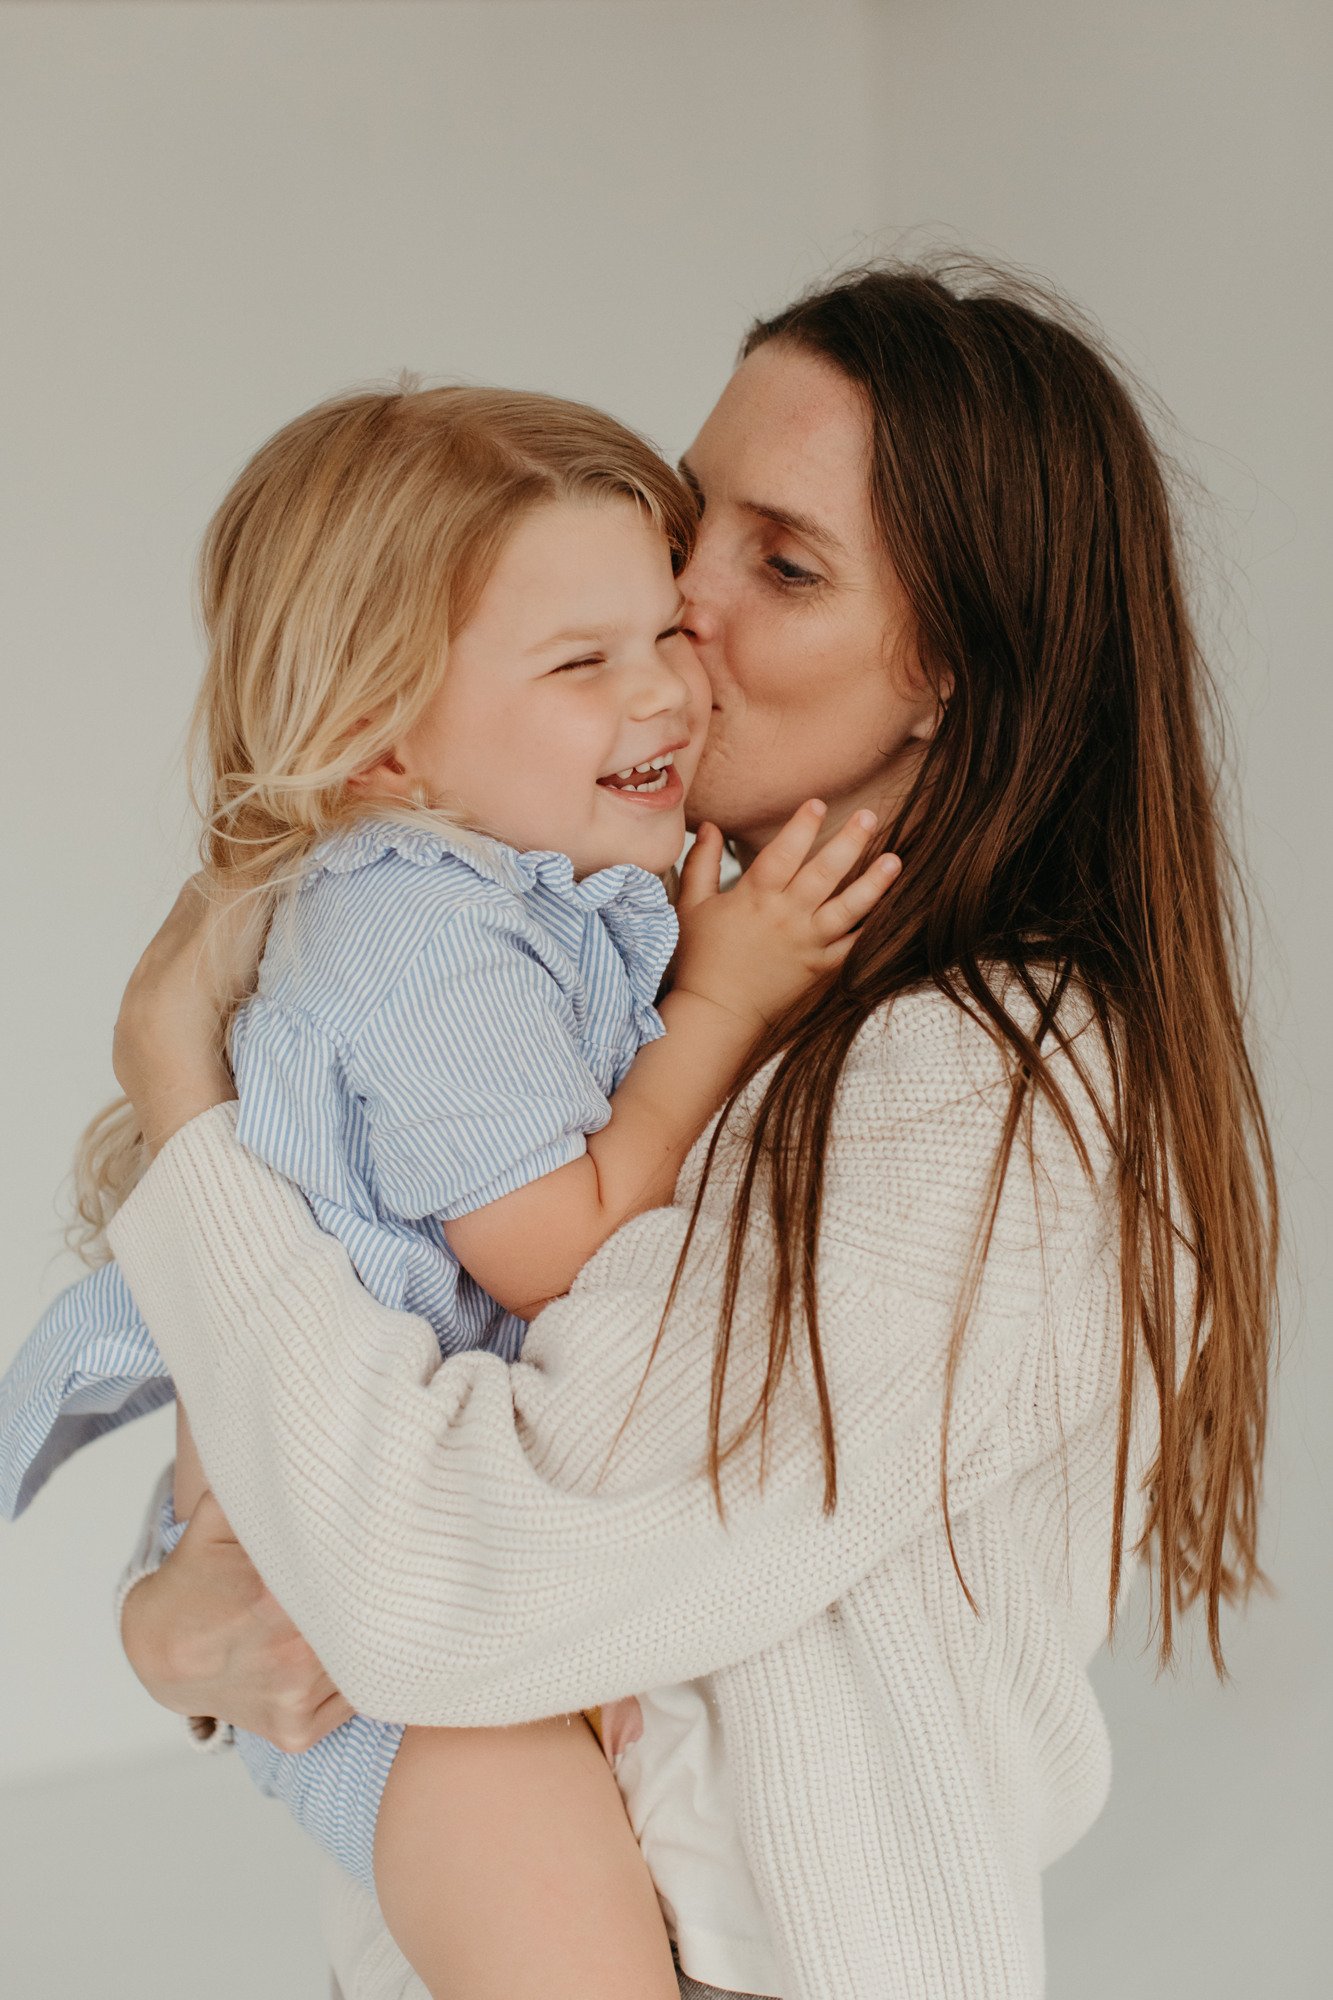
(450, 719)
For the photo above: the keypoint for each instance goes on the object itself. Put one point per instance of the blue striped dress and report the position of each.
(440, 1020)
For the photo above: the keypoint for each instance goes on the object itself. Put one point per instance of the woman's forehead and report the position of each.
(789, 436)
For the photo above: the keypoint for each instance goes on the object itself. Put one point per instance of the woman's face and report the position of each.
(793, 609)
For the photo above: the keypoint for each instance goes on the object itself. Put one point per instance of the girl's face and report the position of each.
(793, 610)
(573, 710)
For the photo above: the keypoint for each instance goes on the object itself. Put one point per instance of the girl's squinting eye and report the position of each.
(568, 666)
(789, 574)
(672, 632)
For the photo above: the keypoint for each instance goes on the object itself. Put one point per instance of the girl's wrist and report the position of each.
(722, 1016)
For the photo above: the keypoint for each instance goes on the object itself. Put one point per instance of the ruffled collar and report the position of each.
(625, 887)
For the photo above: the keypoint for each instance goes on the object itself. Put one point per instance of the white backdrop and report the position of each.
(1172, 165)
(216, 213)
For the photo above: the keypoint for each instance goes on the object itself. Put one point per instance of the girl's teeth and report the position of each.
(659, 765)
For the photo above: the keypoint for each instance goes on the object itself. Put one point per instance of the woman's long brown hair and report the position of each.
(1063, 828)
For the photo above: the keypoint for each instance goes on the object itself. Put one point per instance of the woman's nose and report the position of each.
(699, 620)
(699, 616)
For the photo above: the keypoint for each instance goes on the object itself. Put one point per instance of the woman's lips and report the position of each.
(665, 800)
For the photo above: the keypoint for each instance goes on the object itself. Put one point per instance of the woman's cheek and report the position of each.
(701, 694)
(768, 663)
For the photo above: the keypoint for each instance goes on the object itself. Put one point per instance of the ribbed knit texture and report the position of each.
(476, 1543)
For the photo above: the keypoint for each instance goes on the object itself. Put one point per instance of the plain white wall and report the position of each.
(218, 213)
(1172, 166)
(214, 216)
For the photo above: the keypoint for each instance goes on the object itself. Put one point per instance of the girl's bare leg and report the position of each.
(507, 1870)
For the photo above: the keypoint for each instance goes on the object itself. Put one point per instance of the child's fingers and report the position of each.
(840, 914)
(701, 870)
(820, 876)
(775, 865)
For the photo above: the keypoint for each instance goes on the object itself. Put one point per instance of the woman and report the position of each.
(969, 1299)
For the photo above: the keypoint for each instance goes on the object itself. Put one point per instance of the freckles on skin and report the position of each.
(793, 607)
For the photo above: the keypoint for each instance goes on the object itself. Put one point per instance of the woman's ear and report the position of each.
(932, 698)
(936, 701)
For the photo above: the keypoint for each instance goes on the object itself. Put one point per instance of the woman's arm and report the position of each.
(475, 1544)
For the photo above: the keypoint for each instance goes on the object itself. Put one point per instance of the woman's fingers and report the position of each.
(701, 871)
(329, 1714)
(210, 943)
(293, 1694)
(167, 1051)
(208, 1523)
(207, 1637)
(302, 1705)
(841, 914)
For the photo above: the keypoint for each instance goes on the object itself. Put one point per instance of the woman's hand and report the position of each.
(168, 1048)
(206, 1637)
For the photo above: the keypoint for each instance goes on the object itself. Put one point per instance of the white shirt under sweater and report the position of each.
(458, 1549)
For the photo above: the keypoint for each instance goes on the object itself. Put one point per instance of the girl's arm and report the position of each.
(742, 960)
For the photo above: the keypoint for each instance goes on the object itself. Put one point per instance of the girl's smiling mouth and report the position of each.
(655, 782)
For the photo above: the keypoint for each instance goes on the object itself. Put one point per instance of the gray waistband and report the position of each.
(690, 1989)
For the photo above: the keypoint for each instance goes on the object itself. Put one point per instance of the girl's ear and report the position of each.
(389, 777)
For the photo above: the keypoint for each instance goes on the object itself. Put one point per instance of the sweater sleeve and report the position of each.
(478, 1543)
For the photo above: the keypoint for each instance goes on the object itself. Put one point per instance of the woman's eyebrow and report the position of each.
(804, 525)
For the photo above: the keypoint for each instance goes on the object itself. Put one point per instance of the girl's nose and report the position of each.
(662, 686)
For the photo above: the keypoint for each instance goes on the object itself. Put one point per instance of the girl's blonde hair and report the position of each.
(354, 543)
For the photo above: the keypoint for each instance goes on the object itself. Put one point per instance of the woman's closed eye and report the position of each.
(790, 575)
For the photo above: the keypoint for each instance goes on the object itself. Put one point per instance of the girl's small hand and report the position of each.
(785, 924)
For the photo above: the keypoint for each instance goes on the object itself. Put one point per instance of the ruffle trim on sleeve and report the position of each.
(88, 1366)
(290, 1072)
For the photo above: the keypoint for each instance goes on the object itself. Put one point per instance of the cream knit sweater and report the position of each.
(476, 1543)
